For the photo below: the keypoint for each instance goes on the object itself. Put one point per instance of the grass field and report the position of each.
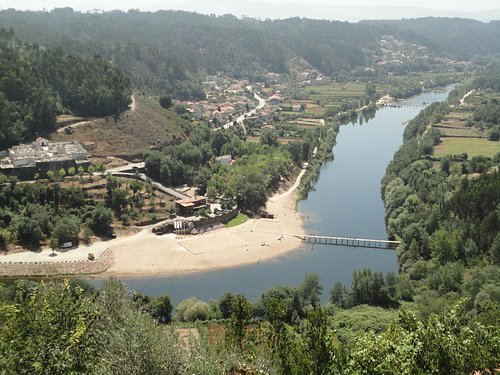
(471, 146)
(462, 116)
(336, 91)
(459, 132)
(240, 219)
(317, 111)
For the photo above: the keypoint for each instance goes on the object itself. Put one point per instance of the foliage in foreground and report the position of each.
(55, 328)
(62, 328)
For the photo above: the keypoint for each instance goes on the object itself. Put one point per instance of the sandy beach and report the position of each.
(256, 240)
(145, 253)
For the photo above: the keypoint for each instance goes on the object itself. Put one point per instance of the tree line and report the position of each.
(166, 52)
(447, 221)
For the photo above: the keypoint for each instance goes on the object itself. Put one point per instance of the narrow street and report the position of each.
(240, 119)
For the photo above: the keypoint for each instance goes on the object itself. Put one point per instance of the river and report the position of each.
(345, 201)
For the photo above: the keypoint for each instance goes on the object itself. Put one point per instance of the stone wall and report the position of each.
(223, 218)
(81, 267)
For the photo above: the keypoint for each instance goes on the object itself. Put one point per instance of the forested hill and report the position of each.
(167, 51)
(36, 84)
(455, 37)
(163, 50)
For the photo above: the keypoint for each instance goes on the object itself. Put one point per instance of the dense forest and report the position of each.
(455, 37)
(446, 213)
(36, 84)
(167, 51)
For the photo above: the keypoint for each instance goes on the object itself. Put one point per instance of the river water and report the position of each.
(345, 201)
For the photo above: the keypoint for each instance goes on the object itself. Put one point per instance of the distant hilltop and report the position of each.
(264, 10)
(271, 10)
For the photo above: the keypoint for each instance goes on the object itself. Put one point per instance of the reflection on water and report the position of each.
(345, 202)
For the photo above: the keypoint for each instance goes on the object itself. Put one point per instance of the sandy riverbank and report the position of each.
(256, 240)
(144, 253)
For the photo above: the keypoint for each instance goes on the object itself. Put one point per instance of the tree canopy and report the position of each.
(36, 84)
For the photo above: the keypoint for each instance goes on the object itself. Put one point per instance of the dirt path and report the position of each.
(72, 126)
(462, 101)
(133, 104)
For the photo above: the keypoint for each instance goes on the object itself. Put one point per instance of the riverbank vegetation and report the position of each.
(252, 170)
(66, 327)
(444, 209)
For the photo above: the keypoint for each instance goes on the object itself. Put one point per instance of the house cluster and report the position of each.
(385, 100)
(394, 51)
(40, 156)
(226, 100)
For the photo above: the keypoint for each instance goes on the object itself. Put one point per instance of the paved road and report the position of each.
(125, 168)
(174, 193)
(240, 119)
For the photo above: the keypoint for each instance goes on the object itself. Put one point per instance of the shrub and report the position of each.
(192, 309)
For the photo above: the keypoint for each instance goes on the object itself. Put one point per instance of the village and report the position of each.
(291, 107)
(259, 106)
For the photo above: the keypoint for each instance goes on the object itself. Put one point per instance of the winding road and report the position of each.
(239, 120)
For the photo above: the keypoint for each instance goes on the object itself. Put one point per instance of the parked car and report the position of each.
(66, 245)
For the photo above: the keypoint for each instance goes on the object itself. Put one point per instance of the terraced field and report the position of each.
(457, 137)
(459, 132)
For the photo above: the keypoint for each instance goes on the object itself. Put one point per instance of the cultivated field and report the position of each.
(471, 146)
(459, 132)
(336, 92)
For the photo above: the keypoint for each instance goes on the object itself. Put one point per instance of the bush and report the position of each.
(494, 134)
(166, 101)
(192, 309)
(102, 218)
(129, 341)
(66, 229)
(161, 309)
(29, 231)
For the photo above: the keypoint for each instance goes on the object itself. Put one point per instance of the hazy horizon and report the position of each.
(355, 10)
